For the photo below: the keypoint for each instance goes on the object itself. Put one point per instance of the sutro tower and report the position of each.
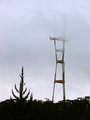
(59, 60)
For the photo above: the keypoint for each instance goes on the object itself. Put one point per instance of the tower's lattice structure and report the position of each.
(59, 61)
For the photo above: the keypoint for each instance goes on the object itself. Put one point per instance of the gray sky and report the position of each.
(25, 27)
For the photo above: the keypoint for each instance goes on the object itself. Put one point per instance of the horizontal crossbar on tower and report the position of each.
(59, 81)
(59, 61)
(57, 38)
(59, 50)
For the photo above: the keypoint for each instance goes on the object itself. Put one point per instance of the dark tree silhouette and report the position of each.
(22, 109)
(78, 109)
(22, 97)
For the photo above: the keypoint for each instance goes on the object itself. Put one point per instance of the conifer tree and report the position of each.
(21, 91)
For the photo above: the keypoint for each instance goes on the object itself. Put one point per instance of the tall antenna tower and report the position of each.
(59, 60)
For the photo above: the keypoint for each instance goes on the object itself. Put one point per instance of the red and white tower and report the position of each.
(59, 54)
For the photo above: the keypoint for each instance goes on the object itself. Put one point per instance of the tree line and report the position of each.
(23, 107)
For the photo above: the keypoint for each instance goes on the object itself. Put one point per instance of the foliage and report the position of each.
(78, 109)
(21, 90)
(22, 109)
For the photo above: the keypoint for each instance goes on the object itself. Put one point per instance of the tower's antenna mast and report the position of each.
(59, 61)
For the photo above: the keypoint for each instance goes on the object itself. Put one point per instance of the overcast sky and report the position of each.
(25, 27)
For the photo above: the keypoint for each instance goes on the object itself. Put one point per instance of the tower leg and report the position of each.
(53, 92)
(64, 91)
(54, 84)
(63, 67)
